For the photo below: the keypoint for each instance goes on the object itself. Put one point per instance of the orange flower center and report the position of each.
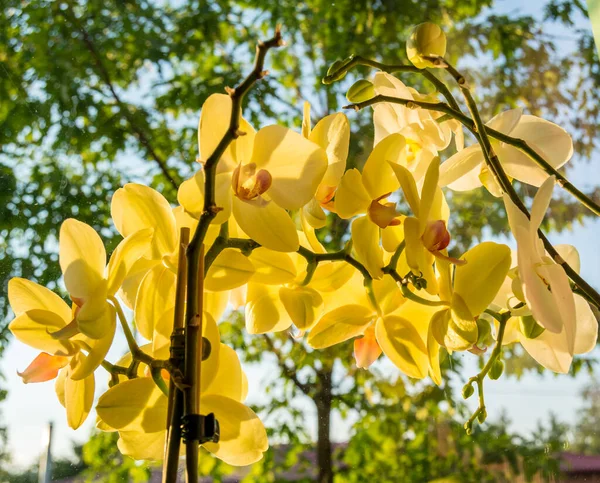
(248, 183)
(383, 214)
(436, 236)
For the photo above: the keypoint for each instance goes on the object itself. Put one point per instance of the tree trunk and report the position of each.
(323, 403)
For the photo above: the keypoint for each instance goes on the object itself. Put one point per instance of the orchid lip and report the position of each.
(248, 183)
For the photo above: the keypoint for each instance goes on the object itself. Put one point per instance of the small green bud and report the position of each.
(362, 90)
(467, 391)
(427, 39)
(529, 327)
(497, 369)
(468, 428)
(337, 65)
(482, 416)
(484, 334)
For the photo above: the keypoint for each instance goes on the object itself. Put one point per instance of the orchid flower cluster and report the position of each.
(394, 289)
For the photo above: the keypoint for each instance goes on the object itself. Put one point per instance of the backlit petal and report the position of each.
(82, 258)
(155, 296)
(142, 446)
(296, 165)
(506, 121)
(403, 345)
(124, 257)
(43, 368)
(134, 405)
(264, 310)
(366, 349)
(78, 397)
(460, 172)
(303, 304)
(243, 438)
(229, 270)
(479, 280)
(339, 325)
(409, 187)
(228, 380)
(377, 175)
(96, 349)
(136, 207)
(24, 295)
(332, 133)
(549, 140)
(34, 327)
(351, 197)
(365, 238)
(267, 224)
(191, 195)
(586, 335)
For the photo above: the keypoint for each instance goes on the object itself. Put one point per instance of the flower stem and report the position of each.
(195, 250)
(479, 378)
(175, 401)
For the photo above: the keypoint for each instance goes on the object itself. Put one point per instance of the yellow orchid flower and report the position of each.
(467, 170)
(278, 296)
(136, 207)
(425, 232)
(137, 409)
(150, 289)
(89, 281)
(419, 125)
(549, 349)
(476, 284)
(366, 193)
(38, 312)
(261, 175)
(545, 284)
(398, 327)
(332, 133)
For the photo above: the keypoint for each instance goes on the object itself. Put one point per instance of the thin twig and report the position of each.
(123, 107)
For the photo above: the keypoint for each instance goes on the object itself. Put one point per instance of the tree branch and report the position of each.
(289, 372)
(123, 107)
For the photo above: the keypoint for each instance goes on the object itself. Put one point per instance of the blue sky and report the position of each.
(29, 408)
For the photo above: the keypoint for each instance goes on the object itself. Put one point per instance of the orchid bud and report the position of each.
(332, 69)
(362, 90)
(484, 334)
(497, 369)
(426, 40)
(467, 391)
(482, 416)
(529, 327)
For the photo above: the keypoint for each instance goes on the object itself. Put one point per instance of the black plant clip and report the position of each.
(197, 427)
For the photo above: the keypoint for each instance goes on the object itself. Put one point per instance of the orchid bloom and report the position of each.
(424, 134)
(149, 289)
(332, 133)
(551, 350)
(468, 293)
(366, 193)
(38, 312)
(89, 281)
(276, 297)
(545, 284)
(259, 177)
(397, 329)
(425, 232)
(142, 427)
(466, 170)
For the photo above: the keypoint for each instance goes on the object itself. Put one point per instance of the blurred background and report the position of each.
(94, 94)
